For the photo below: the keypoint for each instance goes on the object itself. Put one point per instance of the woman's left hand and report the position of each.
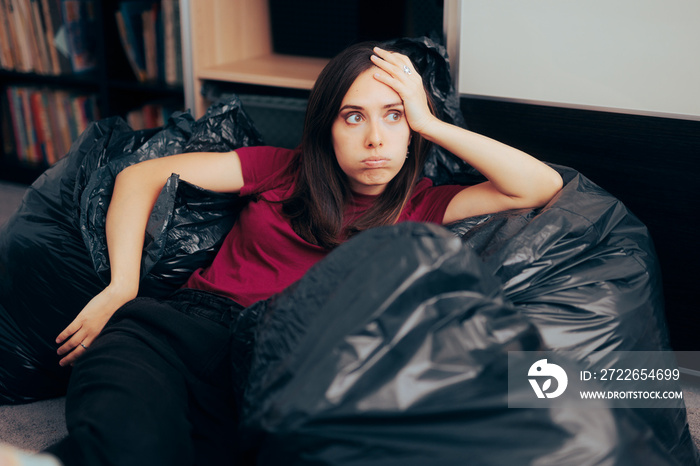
(398, 72)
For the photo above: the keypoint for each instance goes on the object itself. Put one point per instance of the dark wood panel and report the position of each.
(650, 163)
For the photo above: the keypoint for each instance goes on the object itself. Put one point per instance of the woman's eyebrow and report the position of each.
(359, 107)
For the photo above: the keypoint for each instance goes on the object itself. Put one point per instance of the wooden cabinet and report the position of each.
(231, 42)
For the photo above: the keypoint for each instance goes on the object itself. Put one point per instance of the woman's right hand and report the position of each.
(88, 324)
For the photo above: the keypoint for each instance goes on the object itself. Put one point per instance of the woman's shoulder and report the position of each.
(266, 167)
(423, 184)
(425, 188)
(428, 202)
(265, 153)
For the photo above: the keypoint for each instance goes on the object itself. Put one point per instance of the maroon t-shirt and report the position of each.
(262, 254)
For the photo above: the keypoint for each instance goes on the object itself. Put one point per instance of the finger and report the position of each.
(72, 356)
(391, 57)
(75, 353)
(404, 86)
(68, 332)
(391, 69)
(383, 65)
(74, 341)
(388, 72)
(397, 60)
(402, 75)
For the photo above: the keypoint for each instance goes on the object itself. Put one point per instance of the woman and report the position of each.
(155, 387)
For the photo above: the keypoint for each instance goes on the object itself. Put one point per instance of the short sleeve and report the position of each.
(429, 203)
(263, 167)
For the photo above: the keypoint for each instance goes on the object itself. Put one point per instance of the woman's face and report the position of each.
(370, 134)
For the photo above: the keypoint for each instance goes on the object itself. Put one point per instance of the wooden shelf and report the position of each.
(269, 70)
(232, 41)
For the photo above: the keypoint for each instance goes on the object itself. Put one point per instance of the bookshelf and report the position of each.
(110, 80)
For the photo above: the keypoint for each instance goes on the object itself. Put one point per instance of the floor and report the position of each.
(10, 198)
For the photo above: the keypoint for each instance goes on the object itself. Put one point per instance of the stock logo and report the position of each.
(546, 372)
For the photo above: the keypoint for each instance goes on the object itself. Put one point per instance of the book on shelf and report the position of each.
(150, 19)
(151, 115)
(40, 45)
(29, 130)
(40, 136)
(43, 123)
(49, 37)
(7, 58)
(17, 14)
(55, 35)
(172, 41)
(130, 25)
(8, 137)
(79, 22)
(50, 121)
(150, 35)
(57, 109)
(15, 112)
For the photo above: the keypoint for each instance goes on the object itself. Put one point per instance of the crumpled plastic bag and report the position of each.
(188, 224)
(394, 350)
(584, 271)
(53, 255)
(46, 276)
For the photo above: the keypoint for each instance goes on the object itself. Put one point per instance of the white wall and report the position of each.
(637, 56)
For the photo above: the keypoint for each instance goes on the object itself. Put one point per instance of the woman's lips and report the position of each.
(376, 162)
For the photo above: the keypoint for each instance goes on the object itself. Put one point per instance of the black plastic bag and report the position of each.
(393, 350)
(46, 275)
(581, 271)
(188, 224)
(584, 271)
(53, 252)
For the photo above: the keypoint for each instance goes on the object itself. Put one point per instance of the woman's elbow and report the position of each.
(548, 187)
(146, 172)
(139, 179)
(130, 174)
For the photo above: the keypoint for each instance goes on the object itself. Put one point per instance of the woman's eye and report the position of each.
(354, 118)
(394, 116)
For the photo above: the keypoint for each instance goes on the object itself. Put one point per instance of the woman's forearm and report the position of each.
(130, 207)
(135, 192)
(511, 171)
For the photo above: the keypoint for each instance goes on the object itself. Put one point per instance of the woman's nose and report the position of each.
(374, 135)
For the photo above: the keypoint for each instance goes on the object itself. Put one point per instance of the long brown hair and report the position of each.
(322, 191)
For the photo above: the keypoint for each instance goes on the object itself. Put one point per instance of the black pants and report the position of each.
(156, 387)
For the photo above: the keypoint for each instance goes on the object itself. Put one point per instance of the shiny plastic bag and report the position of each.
(187, 224)
(46, 275)
(393, 350)
(584, 271)
(53, 255)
